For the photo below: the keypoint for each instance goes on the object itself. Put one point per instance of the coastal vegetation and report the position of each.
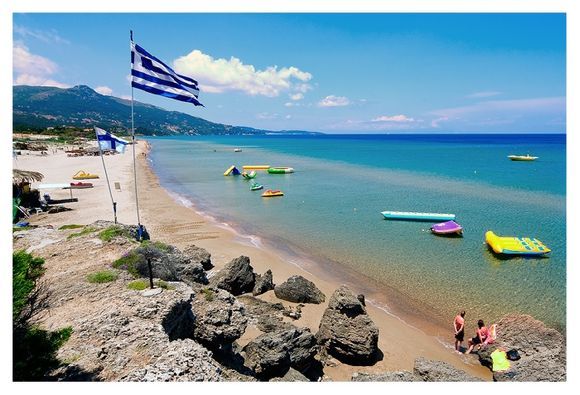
(34, 349)
(86, 230)
(70, 226)
(141, 284)
(114, 231)
(100, 277)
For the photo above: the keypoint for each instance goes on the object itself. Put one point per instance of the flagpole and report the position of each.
(134, 161)
(107, 178)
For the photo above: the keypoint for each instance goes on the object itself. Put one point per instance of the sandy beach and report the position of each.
(172, 222)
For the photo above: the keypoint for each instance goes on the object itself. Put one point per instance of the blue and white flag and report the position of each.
(108, 141)
(152, 75)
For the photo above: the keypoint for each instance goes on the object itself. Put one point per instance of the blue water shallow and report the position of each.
(332, 204)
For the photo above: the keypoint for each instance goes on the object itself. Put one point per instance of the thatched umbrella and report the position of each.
(21, 176)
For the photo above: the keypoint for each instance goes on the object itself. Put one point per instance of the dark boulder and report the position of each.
(386, 376)
(299, 290)
(292, 375)
(264, 283)
(272, 354)
(219, 318)
(542, 350)
(198, 255)
(237, 277)
(346, 331)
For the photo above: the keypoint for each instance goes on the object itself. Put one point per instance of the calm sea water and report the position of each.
(332, 204)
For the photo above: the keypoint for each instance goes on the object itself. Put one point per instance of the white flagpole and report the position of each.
(134, 162)
(107, 177)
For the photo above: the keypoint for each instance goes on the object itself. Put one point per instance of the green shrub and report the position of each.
(111, 232)
(129, 262)
(26, 270)
(104, 276)
(208, 294)
(34, 349)
(141, 284)
(70, 226)
(86, 230)
(20, 228)
(138, 285)
(156, 244)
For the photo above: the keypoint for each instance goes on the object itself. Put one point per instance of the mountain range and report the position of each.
(38, 107)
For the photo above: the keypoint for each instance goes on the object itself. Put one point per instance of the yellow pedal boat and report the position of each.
(83, 175)
(515, 245)
(272, 193)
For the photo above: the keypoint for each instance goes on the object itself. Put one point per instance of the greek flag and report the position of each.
(152, 75)
(108, 141)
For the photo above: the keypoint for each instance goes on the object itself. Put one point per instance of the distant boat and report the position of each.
(407, 215)
(250, 175)
(255, 187)
(447, 228)
(515, 245)
(237, 150)
(522, 158)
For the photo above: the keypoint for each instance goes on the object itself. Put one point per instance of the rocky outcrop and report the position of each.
(346, 331)
(180, 361)
(542, 350)
(299, 290)
(428, 370)
(292, 375)
(219, 318)
(424, 370)
(272, 354)
(198, 255)
(167, 263)
(386, 376)
(266, 316)
(237, 277)
(264, 283)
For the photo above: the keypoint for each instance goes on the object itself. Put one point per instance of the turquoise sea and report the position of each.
(331, 211)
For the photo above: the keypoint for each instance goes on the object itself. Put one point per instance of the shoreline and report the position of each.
(379, 306)
(171, 222)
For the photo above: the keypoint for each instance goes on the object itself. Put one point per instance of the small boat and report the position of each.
(447, 228)
(515, 245)
(83, 175)
(522, 158)
(81, 185)
(272, 193)
(280, 170)
(237, 150)
(256, 167)
(255, 186)
(249, 176)
(407, 215)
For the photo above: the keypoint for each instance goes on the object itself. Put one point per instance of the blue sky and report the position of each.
(336, 73)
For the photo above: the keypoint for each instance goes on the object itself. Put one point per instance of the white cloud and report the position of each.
(221, 75)
(50, 36)
(483, 94)
(297, 96)
(104, 90)
(288, 116)
(31, 69)
(542, 104)
(292, 104)
(334, 101)
(393, 118)
(435, 123)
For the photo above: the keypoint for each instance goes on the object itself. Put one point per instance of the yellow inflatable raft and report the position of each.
(83, 175)
(515, 245)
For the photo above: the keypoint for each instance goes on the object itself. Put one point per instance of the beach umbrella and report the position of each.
(20, 176)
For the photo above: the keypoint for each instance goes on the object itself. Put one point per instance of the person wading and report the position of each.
(459, 327)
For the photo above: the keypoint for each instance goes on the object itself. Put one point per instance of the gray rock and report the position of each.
(386, 376)
(346, 331)
(266, 316)
(272, 354)
(428, 370)
(542, 350)
(219, 318)
(263, 284)
(199, 255)
(292, 375)
(299, 290)
(237, 277)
